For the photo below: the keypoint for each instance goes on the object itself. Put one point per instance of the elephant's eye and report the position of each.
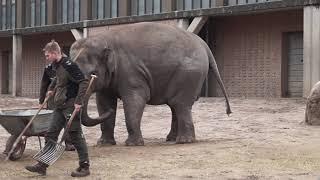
(93, 73)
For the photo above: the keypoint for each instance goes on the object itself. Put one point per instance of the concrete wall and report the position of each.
(249, 51)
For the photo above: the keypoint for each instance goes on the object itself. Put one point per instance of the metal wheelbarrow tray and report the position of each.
(14, 121)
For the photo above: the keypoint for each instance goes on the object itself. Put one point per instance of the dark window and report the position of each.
(3, 15)
(13, 14)
(33, 12)
(194, 4)
(104, 9)
(141, 7)
(8, 14)
(43, 14)
(36, 13)
(68, 11)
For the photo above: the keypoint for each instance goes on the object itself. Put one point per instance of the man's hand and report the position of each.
(77, 107)
(50, 93)
(45, 106)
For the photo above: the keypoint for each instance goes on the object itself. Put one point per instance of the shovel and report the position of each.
(53, 150)
(16, 142)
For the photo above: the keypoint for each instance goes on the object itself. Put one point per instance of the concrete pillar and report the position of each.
(77, 34)
(16, 65)
(197, 24)
(183, 23)
(311, 48)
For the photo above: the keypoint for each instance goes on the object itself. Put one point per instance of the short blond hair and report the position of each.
(52, 46)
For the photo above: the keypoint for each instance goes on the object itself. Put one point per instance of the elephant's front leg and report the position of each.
(133, 105)
(172, 136)
(186, 132)
(105, 102)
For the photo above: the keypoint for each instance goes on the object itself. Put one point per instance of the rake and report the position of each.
(52, 151)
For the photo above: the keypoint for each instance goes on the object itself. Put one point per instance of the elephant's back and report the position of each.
(149, 35)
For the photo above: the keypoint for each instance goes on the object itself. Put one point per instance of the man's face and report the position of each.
(50, 56)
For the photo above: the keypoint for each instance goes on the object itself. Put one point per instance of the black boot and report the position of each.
(39, 168)
(81, 171)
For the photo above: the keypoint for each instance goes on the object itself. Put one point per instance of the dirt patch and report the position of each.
(262, 139)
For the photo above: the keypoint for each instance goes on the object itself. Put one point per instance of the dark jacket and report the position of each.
(69, 84)
(47, 77)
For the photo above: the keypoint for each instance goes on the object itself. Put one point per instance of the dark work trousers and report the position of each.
(50, 105)
(60, 118)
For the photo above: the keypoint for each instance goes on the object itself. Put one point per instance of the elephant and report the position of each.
(312, 113)
(145, 63)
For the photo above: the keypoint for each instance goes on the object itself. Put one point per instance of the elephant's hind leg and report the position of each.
(172, 136)
(185, 130)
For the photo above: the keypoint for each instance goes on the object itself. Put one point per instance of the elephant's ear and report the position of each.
(109, 59)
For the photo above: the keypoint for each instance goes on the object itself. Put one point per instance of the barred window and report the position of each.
(13, 14)
(194, 4)
(141, 7)
(7, 14)
(104, 9)
(68, 11)
(36, 13)
(3, 15)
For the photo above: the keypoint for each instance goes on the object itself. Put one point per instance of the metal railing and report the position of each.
(66, 11)
(241, 2)
(7, 14)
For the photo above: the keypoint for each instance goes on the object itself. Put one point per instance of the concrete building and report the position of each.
(264, 48)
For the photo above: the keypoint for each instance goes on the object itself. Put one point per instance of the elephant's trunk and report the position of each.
(87, 121)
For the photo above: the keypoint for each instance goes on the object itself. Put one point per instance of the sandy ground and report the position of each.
(262, 139)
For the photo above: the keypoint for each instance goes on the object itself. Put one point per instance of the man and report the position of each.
(47, 77)
(69, 86)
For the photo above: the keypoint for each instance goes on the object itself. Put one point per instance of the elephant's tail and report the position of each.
(213, 66)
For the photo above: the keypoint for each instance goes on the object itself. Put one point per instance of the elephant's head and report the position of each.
(93, 56)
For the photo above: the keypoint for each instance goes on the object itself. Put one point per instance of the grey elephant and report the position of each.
(145, 63)
(312, 113)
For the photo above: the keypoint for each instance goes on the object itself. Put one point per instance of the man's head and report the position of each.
(52, 51)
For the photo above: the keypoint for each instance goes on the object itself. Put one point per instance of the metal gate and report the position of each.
(295, 64)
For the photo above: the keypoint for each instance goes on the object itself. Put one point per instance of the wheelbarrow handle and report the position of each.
(26, 128)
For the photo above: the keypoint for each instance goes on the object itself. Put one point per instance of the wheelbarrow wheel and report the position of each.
(18, 151)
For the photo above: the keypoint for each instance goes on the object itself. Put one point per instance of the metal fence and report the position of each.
(7, 14)
(241, 2)
(35, 12)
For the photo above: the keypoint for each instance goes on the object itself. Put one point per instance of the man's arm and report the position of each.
(45, 82)
(52, 84)
(77, 77)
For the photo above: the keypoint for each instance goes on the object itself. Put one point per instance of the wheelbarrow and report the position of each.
(14, 121)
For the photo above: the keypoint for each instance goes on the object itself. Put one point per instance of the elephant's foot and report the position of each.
(105, 142)
(185, 139)
(135, 141)
(171, 137)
